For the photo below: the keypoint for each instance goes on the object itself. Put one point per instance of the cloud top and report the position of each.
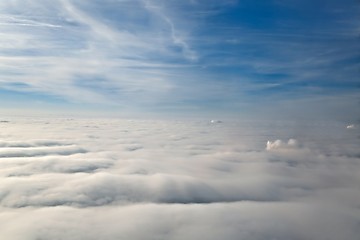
(176, 180)
(279, 144)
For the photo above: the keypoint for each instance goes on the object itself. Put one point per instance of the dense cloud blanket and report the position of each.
(135, 179)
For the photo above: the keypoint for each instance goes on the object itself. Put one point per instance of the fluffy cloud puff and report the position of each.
(122, 179)
(278, 144)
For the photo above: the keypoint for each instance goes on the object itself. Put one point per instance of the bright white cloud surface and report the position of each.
(151, 179)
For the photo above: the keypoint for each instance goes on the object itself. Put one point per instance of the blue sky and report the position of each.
(287, 58)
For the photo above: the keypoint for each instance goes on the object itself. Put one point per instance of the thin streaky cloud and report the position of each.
(176, 38)
(19, 21)
(176, 53)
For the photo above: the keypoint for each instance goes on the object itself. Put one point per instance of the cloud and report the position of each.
(34, 143)
(351, 126)
(177, 179)
(176, 37)
(18, 21)
(159, 55)
(294, 220)
(89, 56)
(36, 152)
(278, 144)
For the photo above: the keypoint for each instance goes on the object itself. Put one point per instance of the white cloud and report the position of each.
(18, 21)
(279, 144)
(351, 126)
(68, 51)
(156, 55)
(177, 180)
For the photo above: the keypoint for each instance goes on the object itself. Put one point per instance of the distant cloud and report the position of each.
(279, 144)
(351, 126)
(215, 121)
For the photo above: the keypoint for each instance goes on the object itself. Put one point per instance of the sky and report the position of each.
(293, 59)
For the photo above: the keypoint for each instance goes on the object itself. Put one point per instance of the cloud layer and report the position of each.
(144, 179)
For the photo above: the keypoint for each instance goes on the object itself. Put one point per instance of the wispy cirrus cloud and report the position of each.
(157, 54)
(18, 21)
(87, 54)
